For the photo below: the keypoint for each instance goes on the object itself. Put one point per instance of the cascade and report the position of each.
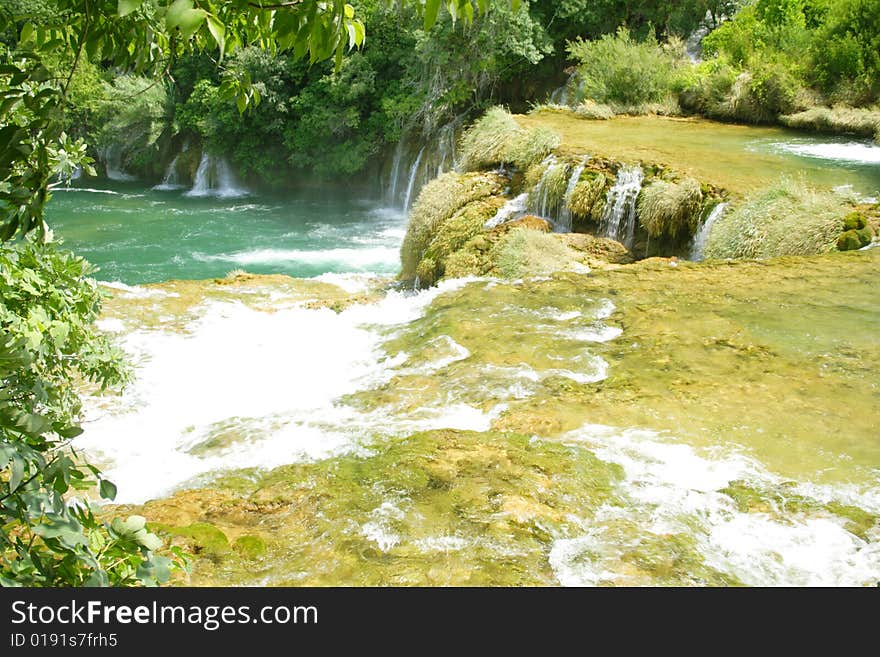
(510, 210)
(619, 219)
(414, 170)
(560, 95)
(395, 171)
(214, 177)
(545, 200)
(435, 156)
(171, 179)
(111, 157)
(702, 236)
(564, 224)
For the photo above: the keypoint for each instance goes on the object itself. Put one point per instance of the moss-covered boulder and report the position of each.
(453, 234)
(437, 203)
(668, 209)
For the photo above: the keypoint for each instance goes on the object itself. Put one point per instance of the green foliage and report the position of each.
(787, 218)
(48, 344)
(623, 72)
(670, 208)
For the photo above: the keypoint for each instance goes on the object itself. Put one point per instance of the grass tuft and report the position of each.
(787, 218)
(670, 208)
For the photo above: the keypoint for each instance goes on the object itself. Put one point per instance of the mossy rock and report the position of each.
(854, 221)
(866, 235)
(249, 547)
(204, 537)
(453, 234)
(849, 241)
(439, 201)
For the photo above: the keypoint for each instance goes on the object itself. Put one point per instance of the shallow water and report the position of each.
(696, 424)
(738, 158)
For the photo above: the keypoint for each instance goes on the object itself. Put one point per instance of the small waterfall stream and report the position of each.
(702, 236)
(545, 200)
(619, 219)
(111, 158)
(565, 221)
(509, 211)
(171, 181)
(214, 177)
(417, 161)
(414, 171)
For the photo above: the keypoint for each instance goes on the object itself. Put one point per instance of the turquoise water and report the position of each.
(141, 235)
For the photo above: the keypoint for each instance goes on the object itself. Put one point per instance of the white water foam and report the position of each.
(245, 388)
(852, 151)
(672, 488)
(363, 259)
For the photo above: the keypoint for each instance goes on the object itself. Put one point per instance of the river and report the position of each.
(695, 423)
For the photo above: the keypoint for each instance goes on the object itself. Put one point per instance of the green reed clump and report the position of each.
(497, 139)
(670, 208)
(787, 218)
(586, 200)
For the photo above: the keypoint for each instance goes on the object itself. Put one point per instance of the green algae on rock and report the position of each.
(442, 507)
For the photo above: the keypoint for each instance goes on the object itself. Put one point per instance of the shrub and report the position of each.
(622, 72)
(787, 218)
(669, 208)
(437, 202)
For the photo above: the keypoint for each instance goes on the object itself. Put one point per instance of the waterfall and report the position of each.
(546, 199)
(446, 148)
(619, 219)
(436, 155)
(111, 157)
(510, 210)
(564, 224)
(214, 177)
(171, 180)
(395, 171)
(412, 179)
(560, 95)
(702, 235)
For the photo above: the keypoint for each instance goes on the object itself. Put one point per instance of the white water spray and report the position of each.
(619, 219)
(214, 177)
(702, 236)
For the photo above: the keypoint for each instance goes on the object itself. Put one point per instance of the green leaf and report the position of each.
(125, 7)
(108, 489)
(432, 8)
(218, 31)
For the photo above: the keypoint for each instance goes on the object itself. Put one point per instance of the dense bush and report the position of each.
(623, 72)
